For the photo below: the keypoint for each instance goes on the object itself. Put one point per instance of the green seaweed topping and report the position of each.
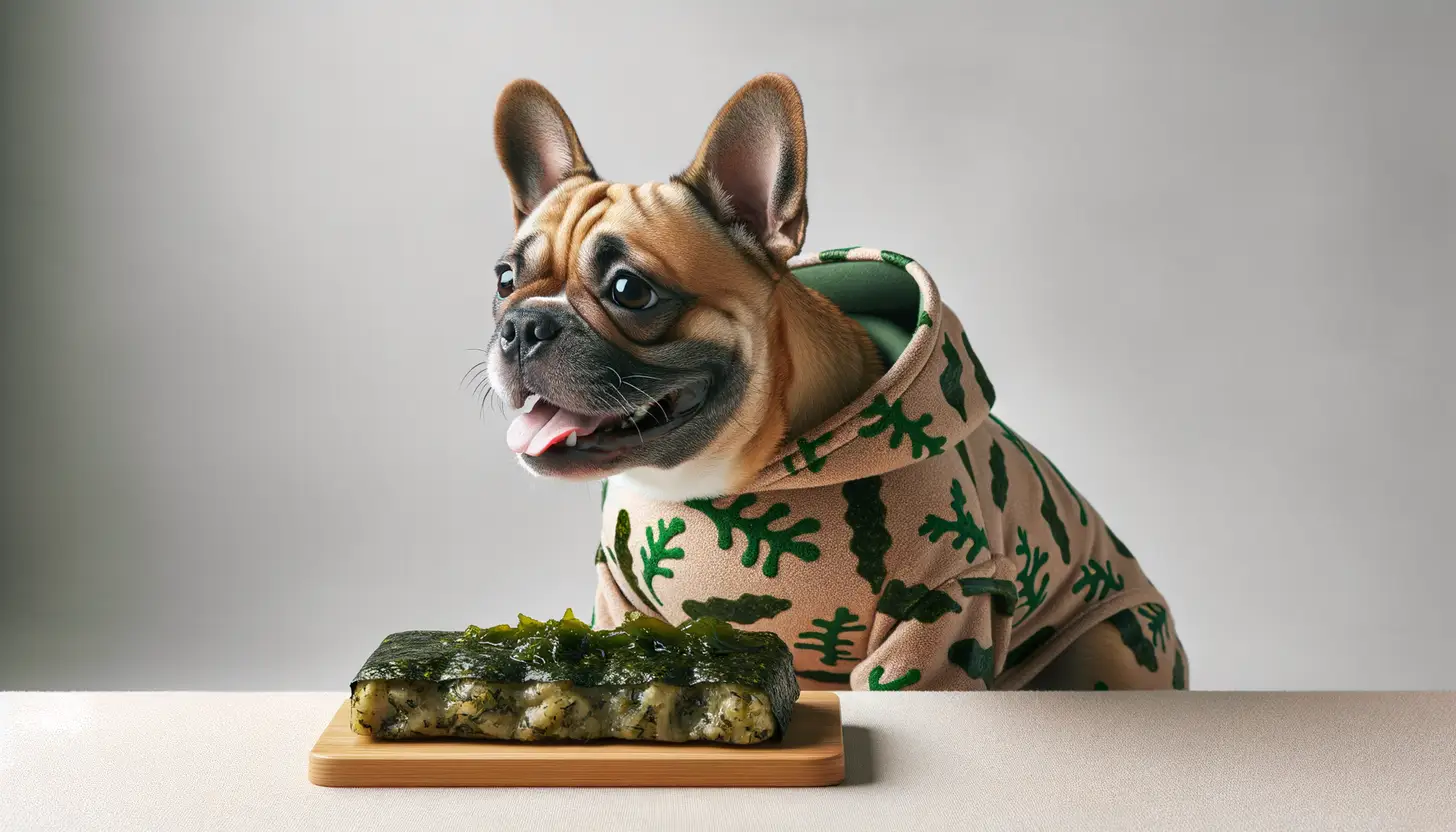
(604, 495)
(657, 552)
(877, 674)
(1180, 671)
(1033, 642)
(640, 651)
(601, 556)
(1048, 505)
(918, 602)
(963, 525)
(982, 380)
(756, 532)
(808, 449)
(826, 639)
(1002, 592)
(924, 320)
(978, 662)
(834, 255)
(1031, 593)
(1098, 579)
(999, 482)
(865, 514)
(1132, 637)
(745, 609)
(1099, 686)
(950, 379)
(892, 417)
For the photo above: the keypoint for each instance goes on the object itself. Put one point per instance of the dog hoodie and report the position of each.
(912, 541)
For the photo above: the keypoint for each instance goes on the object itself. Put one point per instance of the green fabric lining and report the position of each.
(881, 297)
(889, 339)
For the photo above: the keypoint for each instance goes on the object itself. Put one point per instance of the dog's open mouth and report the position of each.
(544, 427)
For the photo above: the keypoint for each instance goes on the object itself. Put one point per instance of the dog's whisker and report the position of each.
(483, 383)
(650, 401)
(471, 373)
(629, 411)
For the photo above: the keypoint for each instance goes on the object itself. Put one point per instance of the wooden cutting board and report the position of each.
(811, 754)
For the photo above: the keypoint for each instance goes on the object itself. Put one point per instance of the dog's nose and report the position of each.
(525, 330)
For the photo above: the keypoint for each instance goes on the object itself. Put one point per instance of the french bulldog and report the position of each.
(799, 443)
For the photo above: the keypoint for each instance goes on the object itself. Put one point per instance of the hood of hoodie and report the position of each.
(933, 395)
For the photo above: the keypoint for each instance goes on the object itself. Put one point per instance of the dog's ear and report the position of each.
(536, 143)
(751, 166)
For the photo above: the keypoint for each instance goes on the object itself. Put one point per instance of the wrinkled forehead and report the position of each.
(657, 229)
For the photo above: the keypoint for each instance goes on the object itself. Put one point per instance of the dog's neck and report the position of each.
(826, 359)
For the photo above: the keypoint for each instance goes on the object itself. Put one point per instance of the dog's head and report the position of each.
(640, 325)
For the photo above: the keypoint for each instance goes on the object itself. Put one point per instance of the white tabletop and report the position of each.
(915, 761)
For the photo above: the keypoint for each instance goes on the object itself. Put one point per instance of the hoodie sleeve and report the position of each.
(954, 636)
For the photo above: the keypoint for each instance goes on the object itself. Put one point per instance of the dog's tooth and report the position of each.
(531, 401)
(571, 440)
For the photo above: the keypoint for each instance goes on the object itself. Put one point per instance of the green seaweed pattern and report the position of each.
(622, 554)
(892, 417)
(905, 680)
(918, 602)
(965, 456)
(1180, 671)
(999, 481)
(1048, 505)
(657, 552)
(983, 381)
(758, 530)
(1030, 645)
(827, 639)
(1157, 617)
(1132, 637)
(1029, 592)
(808, 449)
(865, 514)
(830, 676)
(1002, 592)
(1070, 490)
(977, 661)
(895, 258)
(962, 526)
(745, 609)
(1118, 544)
(950, 379)
(1098, 579)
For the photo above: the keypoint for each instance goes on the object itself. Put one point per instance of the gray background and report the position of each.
(1205, 251)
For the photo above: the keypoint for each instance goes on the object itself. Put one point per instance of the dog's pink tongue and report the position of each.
(544, 425)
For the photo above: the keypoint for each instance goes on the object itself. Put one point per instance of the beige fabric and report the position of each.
(911, 542)
(1196, 761)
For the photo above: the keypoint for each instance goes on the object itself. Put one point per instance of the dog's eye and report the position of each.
(505, 281)
(632, 292)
